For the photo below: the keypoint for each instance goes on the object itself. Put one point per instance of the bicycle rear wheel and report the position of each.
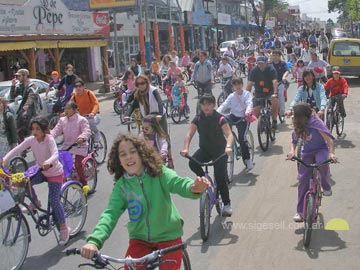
(101, 149)
(308, 222)
(90, 168)
(13, 254)
(18, 164)
(205, 216)
(251, 145)
(117, 106)
(74, 203)
(185, 264)
(176, 114)
(263, 135)
(271, 130)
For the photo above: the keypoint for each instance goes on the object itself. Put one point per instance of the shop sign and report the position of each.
(224, 18)
(98, 4)
(201, 18)
(51, 17)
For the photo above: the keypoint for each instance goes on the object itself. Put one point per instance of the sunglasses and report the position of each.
(141, 83)
(69, 69)
(234, 83)
(145, 128)
(78, 85)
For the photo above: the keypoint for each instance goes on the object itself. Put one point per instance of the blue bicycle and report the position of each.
(15, 235)
(209, 199)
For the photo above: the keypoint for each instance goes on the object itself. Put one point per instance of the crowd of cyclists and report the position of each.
(136, 161)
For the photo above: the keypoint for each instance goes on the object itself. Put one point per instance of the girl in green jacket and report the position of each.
(143, 186)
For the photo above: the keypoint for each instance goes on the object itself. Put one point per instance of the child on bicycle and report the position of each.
(211, 127)
(179, 94)
(156, 137)
(143, 183)
(298, 72)
(46, 155)
(128, 82)
(338, 88)
(240, 105)
(318, 147)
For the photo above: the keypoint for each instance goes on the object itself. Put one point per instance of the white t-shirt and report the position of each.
(226, 70)
(319, 63)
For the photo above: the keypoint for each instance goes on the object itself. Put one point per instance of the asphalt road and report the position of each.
(260, 234)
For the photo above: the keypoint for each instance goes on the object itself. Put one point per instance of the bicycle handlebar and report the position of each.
(102, 260)
(236, 122)
(71, 146)
(202, 164)
(312, 165)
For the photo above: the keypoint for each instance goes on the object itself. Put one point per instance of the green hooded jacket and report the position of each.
(153, 216)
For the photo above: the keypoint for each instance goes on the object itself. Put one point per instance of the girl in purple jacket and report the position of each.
(46, 155)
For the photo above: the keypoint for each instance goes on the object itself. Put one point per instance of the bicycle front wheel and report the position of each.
(117, 106)
(185, 264)
(74, 203)
(308, 222)
(18, 164)
(221, 99)
(231, 163)
(90, 168)
(14, 240)
(101, 149)
(205, 216)
(263, 135)
(250, 143)
(176, 114)
(339, 124)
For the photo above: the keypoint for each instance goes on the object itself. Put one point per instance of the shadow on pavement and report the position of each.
(244, 178)
(54, 255)
(340, 142)
(220, 234)
(273, 150)
(321, 240)
(353, 82)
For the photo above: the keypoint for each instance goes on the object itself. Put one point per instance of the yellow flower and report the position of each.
(18, 177)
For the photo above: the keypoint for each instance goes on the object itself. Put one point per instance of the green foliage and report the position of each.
(353, 8)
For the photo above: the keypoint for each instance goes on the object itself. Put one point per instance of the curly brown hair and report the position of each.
(149, 157)
(302, 114)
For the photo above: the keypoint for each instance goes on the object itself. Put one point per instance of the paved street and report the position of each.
(260, 234)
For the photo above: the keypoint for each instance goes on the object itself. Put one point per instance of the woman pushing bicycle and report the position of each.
(46, 155)
(211, 126)
(318, 147)
(143, 186)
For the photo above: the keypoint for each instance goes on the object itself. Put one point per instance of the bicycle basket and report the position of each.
(67, 161)
(16, 185)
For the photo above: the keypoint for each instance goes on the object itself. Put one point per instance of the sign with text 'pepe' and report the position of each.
(51, 17)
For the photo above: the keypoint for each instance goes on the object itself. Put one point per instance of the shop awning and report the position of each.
(46, 44)
(81, 43)
(13, 46)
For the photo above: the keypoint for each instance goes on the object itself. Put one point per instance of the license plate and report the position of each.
(6, 200)
(347, 61)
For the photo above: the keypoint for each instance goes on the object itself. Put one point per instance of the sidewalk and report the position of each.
(95, 87)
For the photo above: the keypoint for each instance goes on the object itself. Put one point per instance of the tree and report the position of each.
(265, 8)
(353, 9)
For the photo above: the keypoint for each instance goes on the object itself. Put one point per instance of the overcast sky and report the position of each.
(314, 8)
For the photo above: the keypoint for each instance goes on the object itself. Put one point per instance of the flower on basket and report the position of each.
(18, 177)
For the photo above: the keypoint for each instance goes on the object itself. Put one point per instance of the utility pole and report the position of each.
(147, 34)
(170, 30)
(156, 34)
(116, 48)
(141, 34)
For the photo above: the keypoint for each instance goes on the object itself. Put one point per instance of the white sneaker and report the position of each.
(64, 236)
(249, 165)
(327, 192)
(227, 210)
(298, 217)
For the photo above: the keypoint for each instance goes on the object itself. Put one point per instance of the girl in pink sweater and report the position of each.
(45, 152)
(76, 129)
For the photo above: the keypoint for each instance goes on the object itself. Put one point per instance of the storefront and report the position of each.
(44, 36)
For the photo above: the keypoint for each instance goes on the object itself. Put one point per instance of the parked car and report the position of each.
(41, 87)
(345, 53)
(224, 45)
(339, 33)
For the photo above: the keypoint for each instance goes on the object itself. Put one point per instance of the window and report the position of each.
(346, 48)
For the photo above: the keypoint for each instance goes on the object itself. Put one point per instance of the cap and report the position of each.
(22, 71)
(336, 70)
(261, 60)
(55, 73)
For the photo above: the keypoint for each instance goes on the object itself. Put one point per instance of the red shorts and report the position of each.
(138, 248)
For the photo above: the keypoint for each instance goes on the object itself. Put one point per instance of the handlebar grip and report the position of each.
(72, 251)
(181, 246)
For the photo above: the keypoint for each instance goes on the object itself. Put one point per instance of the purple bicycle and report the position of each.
(209, 199)
(15, 235)
(313, 197)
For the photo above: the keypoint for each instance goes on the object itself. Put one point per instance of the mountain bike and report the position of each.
(334, 117)
(236, 148)
(209, 199)
(265, 131)
(15, 234)
(313, 198)
(150, 261)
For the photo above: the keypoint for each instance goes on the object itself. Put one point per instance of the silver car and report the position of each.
(41, 87)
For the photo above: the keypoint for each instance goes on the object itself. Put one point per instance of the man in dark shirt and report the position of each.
(264, 78)
(211, 127)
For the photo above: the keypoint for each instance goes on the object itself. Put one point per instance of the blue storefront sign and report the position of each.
(200, 18)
